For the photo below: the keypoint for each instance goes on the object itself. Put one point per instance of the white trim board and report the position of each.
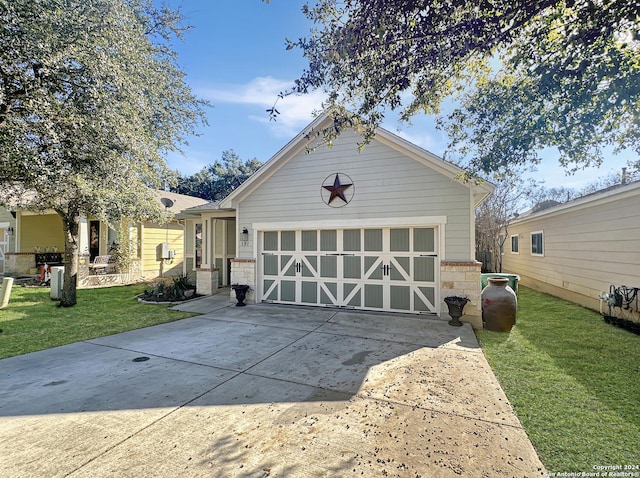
(351, 223)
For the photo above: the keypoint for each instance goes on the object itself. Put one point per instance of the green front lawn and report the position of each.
(32, 321)
(573, 380)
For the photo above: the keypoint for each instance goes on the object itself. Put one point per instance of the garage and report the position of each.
(381, 268)
(387, 227)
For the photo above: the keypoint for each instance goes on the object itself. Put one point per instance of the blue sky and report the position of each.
(235, 57)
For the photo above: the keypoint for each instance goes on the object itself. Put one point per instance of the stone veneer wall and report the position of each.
(243, 272)
(19, 263)
(462, 278)
(207, 281)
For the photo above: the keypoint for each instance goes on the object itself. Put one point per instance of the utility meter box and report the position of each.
(163, 251)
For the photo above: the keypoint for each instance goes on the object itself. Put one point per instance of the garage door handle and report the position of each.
(428, 255)
(339, 254)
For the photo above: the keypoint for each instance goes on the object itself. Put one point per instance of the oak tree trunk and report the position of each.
(71, 246)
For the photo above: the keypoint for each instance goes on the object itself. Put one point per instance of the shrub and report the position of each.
(175, 289)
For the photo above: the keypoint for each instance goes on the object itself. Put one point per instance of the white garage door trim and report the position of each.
(384, 279)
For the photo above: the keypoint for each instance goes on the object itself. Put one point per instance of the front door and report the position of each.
(386, 269)
(94, 239)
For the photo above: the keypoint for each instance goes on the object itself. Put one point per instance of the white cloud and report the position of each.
(190, 163)
(296, 111)
(425, 140)
(421, 131)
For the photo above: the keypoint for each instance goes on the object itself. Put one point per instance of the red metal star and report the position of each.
(337, 190)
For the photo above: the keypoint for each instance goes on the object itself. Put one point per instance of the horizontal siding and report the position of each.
(387, 185)
(585, 251)
(154, 235)
(42, 230)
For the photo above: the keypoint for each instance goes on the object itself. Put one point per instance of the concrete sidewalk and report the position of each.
(260, 391)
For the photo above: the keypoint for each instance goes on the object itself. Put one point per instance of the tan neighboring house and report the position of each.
(390, 228)
(576, 250)
(157, 249)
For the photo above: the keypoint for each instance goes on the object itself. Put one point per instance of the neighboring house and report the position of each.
(390, 228)
(576, 250)
(157, 250)
(7, 241)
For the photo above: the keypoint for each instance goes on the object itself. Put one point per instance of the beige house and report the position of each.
(576, 250)
(157, 249)
(389, 228)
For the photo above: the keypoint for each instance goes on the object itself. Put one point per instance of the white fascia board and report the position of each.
(621, 192)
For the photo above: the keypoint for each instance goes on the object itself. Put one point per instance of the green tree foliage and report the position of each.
(524, 74)
(91, 98)
(217, 180)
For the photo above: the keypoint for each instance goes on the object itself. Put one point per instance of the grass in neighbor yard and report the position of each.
(32, 321)
(573, 380)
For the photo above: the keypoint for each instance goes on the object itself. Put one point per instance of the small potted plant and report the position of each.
(456, 306)
(241, 293)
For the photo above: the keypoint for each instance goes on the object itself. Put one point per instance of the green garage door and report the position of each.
(386, 269)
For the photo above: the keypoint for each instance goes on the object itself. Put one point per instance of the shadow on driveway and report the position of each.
(263, 390)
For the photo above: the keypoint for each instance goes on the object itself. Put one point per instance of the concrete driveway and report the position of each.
(259, 391)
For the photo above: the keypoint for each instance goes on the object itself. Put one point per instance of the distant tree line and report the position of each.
(218, 180)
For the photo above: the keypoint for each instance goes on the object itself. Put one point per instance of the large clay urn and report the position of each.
(499, 305)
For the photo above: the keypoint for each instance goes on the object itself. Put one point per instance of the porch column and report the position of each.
(83, 237)
(207, 274)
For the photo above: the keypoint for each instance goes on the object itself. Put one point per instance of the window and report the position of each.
(537, 240)
(514, 244)
(198, 244)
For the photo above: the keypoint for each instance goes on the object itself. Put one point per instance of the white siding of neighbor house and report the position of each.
(586, 249)
(387, 184)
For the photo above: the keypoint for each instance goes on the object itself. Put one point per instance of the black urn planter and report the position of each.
(241, 293)
(456, 308)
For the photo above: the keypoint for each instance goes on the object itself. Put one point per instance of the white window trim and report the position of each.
(543, 247)
(511, 243)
